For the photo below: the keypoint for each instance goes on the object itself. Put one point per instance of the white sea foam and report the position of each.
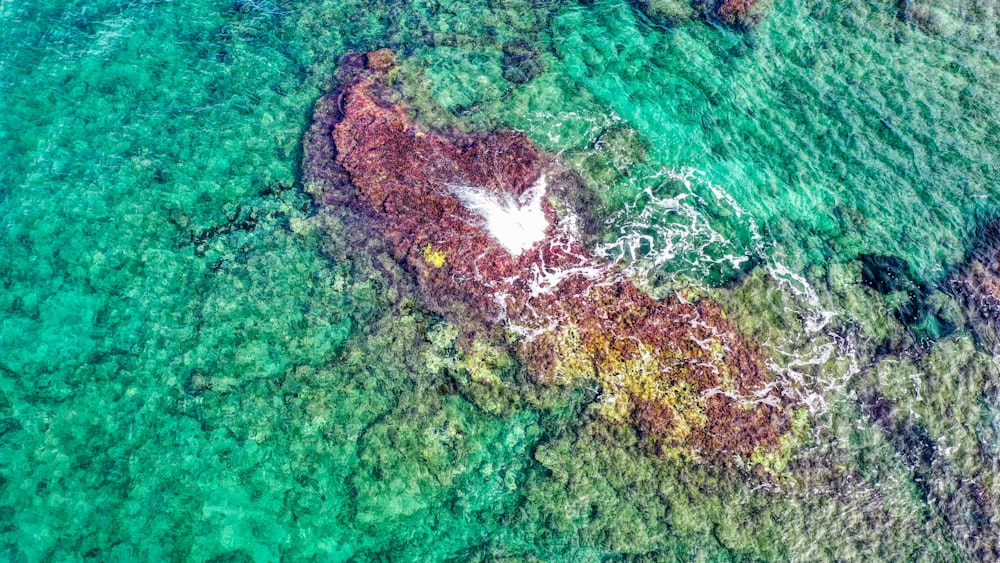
(659, 232)
(516, 223)
(674, 232)
(815, 317)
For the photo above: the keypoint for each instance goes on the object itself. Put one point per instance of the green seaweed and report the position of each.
(194, 365)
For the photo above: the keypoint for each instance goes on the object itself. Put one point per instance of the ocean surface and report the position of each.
(192, 369)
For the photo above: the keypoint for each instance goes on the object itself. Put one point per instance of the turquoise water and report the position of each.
(192, 368)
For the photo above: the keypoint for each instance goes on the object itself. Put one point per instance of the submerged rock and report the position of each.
(978, 282)
(920, 15)
(737, 14)
(522, 62)
(933, 409)
(666, 12)
(885, 273)
(477, 221)
(380, 60)
(611, 157)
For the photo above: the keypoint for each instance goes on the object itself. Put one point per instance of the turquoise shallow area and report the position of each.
(191, 368)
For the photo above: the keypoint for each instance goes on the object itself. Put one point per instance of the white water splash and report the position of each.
(541, 277)
(801, 367)
(516, 223)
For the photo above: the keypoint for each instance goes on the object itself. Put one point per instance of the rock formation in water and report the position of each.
(737, 14)
(978, 282)
(481, 221)
(522, 62)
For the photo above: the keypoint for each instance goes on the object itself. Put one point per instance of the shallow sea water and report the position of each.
(191, 369)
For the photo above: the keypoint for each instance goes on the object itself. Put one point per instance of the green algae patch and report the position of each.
(776, 463)
(484, 371)
(611, 158)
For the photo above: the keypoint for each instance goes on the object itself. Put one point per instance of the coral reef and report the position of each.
(676, 369)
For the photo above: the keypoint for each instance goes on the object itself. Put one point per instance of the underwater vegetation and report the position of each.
(676, 368)
(741, 15)
(223, 338)
(978, 281)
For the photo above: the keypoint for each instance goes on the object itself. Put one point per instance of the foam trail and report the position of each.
(674, 233)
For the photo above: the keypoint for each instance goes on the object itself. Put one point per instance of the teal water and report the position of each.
(191, 368)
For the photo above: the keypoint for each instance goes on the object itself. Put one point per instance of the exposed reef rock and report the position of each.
(482, 222)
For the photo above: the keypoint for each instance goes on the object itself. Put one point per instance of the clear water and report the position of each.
(191, 369)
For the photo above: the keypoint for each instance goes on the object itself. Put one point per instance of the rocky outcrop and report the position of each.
(481, 221)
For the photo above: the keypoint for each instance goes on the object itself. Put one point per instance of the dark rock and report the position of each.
(888, 274)
(885, 274)
(522, 62)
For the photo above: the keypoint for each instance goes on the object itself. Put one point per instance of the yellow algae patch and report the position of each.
(654, 388)
(433, 257)
(628, 379)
